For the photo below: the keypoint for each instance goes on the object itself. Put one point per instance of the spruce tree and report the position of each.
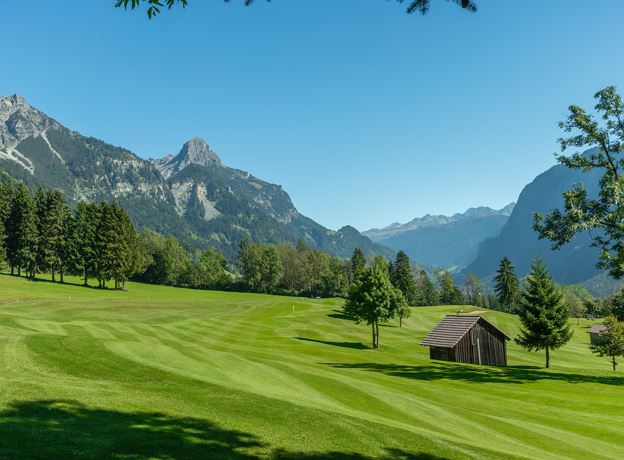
(22, 241)
(402, 278)
(507, 287)
(83, 258)
(426, 293)
(543, 314)
(6, 196)
(449, 293)
(358, 263)
(56, 222)
(42, 248)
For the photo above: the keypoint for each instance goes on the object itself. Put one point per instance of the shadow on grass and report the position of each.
(57, 282)
(338, 314)
(485, 374)
(354, 345)
(394, 454)
(69, 430)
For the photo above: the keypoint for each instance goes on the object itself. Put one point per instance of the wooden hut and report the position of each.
(595, 332)
(467, 339)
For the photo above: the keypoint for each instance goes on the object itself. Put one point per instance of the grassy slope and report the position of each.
(170, 373)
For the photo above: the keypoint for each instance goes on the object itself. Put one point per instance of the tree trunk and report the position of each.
(373, 328)
(377, 334)
(62, 277)
(19, 271)
(400, 321)
(86, 279)
(547, 357)
(12, 270)
(614, 363)
(53, 276)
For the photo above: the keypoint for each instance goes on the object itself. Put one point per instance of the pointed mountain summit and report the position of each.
(194, 151)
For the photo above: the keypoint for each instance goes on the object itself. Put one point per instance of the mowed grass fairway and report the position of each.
(167, 373)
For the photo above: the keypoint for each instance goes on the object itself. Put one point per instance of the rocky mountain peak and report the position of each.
(197, 151)
(194, 151)
(18, 122)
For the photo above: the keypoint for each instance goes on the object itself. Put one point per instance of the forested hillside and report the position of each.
(191, 196)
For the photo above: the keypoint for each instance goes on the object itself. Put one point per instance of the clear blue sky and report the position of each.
(365, 116)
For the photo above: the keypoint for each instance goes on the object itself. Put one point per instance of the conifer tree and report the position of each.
(402, 278)
(449, 293)
(42, 248)
(611, 344)
(52, 212)
(6, 196)
(358, 263)
(507, 287)
(543, 314)
(83, 250)
(426, 293)
(22, 241)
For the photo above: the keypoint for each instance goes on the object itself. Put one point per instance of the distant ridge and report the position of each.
(444, 241)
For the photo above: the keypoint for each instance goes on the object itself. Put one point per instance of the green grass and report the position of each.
(166, 373)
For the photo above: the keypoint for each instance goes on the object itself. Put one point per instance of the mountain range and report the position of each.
(573, 263)
(191, 195)
(450, 242)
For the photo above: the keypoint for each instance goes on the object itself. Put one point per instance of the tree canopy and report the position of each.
(154, 7)
(602, 216)
(611, 344)
(373, 299)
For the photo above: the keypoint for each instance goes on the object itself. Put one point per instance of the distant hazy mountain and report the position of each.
(573, 263)
(191, 195)
(444, 241)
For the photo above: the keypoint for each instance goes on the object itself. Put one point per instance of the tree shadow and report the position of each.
(58, 283)
(354, 345)
(391, 454)
(69, 430)
(338, 314)
(66, 429)
(476, 374)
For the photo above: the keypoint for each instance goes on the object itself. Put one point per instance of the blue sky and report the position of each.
(365, 115)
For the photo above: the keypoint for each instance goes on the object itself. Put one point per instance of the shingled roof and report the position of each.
(451, 329)
(597, 328)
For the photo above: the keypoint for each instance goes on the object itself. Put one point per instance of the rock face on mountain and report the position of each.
(191, 195)
(573, 263)
(444, 241)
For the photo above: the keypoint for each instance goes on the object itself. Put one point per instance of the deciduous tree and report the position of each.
(373, 299)
(603, 215)
(611, 344)
(154, 7)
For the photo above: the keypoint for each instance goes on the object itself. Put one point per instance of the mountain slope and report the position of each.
(573, 263)
(444, 241)
(192, 195)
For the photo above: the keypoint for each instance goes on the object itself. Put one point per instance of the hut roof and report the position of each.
(452, 328)
(597, 328)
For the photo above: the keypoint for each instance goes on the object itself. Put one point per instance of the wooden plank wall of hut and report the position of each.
(491, 346)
